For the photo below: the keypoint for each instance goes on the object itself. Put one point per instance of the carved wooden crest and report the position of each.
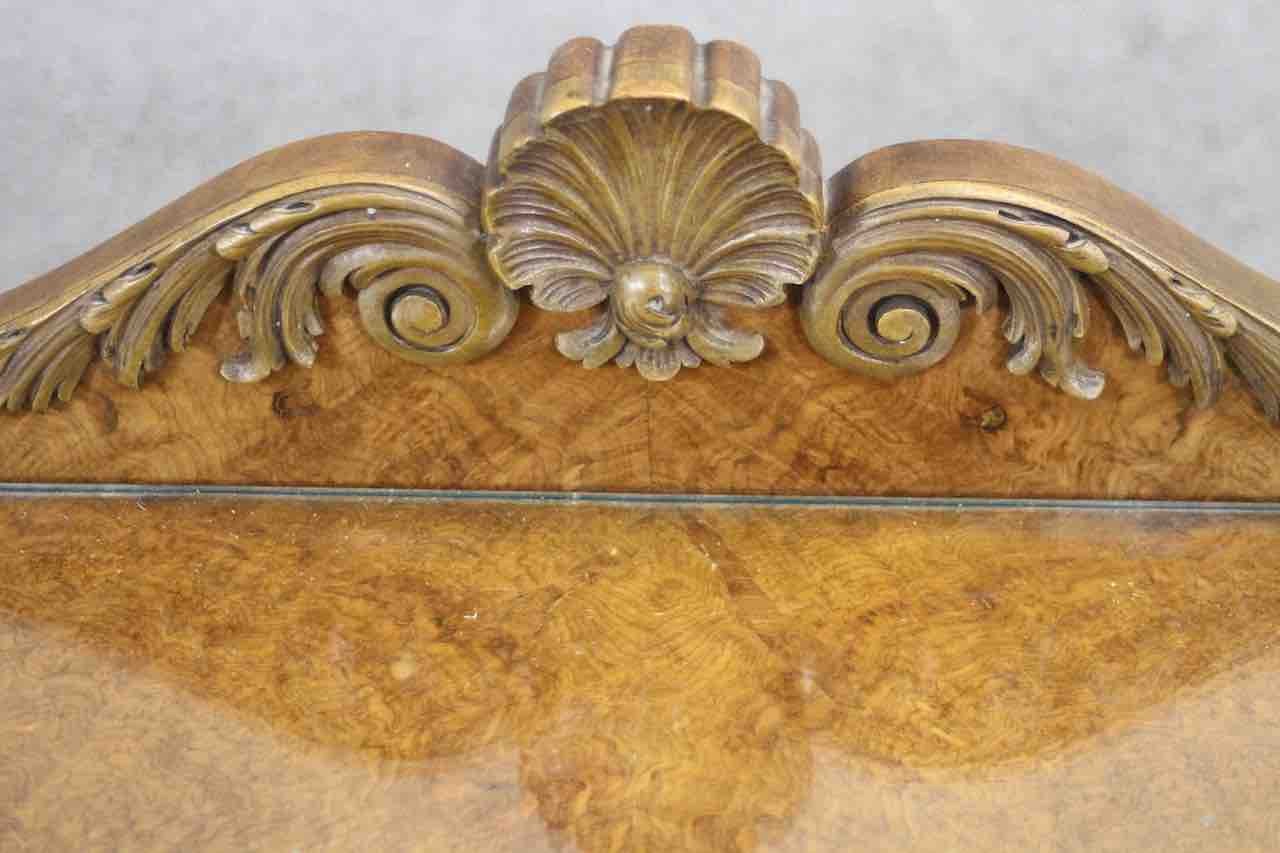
(657, 184)
(660, 180)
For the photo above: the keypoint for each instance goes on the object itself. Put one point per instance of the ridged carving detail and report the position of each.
(887, 299)
(660, 180)
(412, 259)
(657, 185)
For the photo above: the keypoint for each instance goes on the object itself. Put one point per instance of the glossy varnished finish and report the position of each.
(788, 423)
(305, 674)
(388, 672)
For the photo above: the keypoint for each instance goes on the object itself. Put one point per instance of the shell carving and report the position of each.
(661, 185)
(658, 182)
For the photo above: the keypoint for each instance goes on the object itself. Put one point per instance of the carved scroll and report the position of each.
(656, 183)
(921, 229)
(408, 249)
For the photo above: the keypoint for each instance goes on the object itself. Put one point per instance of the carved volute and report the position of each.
(658, 185)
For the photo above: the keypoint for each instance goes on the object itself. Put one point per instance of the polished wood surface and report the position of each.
(376, 671)
(382, 674)
(788, 423)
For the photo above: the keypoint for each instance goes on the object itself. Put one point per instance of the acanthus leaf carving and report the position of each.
(906, 258)
(656, 183)
(412, 257)
(413, 260)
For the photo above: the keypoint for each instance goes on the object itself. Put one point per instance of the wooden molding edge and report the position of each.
(655, 181)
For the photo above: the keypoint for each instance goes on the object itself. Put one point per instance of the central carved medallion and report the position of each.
(658, 182)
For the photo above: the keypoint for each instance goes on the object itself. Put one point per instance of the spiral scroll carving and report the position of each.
(887, 300)
(413, 260)
(656, 184)
(423, 289)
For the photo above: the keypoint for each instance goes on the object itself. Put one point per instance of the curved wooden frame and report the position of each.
(663, 181)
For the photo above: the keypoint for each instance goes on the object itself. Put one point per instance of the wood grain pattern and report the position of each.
(394, 675)
(790, 423)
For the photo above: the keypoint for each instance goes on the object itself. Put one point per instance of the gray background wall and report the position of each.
(110, 110)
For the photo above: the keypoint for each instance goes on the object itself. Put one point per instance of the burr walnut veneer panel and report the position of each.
(370, 674)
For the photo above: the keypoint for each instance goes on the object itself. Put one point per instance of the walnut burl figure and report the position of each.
(660, 185)
(514, 660)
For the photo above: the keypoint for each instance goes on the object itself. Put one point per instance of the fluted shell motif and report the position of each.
(658, 181)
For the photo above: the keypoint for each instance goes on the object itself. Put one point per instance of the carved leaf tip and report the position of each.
(919, 259)
(654, 182)
(421, 282)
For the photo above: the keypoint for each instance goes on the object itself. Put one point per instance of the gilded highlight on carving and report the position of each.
(657, 183)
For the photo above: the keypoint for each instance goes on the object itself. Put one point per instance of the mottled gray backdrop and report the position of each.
(112, 109)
